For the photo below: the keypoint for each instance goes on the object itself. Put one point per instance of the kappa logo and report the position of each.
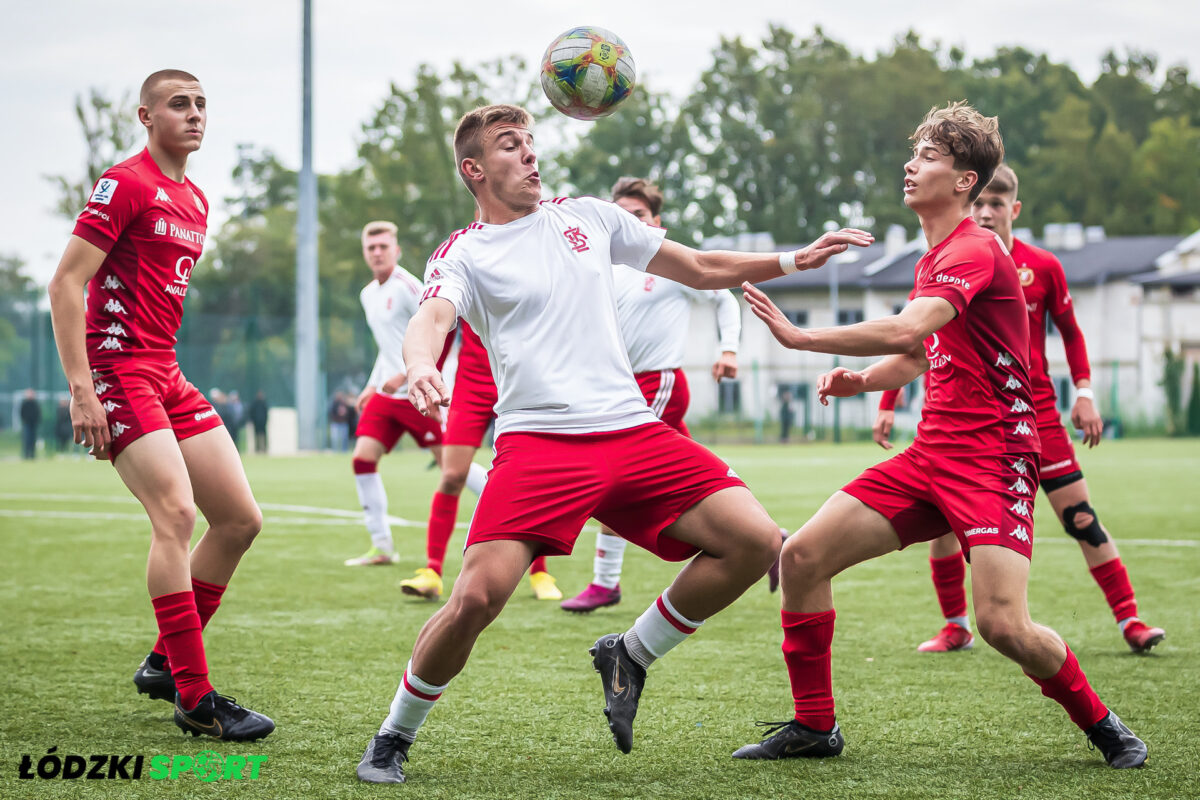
(162, 195)
(1020, 406)
(1004, 360)
(1031, 307)
(112, 343)
(1022, 429)
(102, 387)
(111, 406)
(649, 287)
(577, 239)
(118, 428)
(113, 306)
(111, 282)
(160, 227)
(205, 414)
(1019, 466)
(1019, 532)
(429, 437)
(982, 531)
(116, 329)
(1012, 383)
(1020, 507)
(731, 473)
(1019, 486)
(103, 193)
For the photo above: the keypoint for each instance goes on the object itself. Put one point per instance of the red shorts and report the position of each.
(982, 499)
(472, 409)
(666, 392)
(145, 395)
(544, 486)
(1058, 453)
(386, 419)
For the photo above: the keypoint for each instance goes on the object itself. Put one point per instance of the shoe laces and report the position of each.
(773, 727)
(231, 705)
(392, 744)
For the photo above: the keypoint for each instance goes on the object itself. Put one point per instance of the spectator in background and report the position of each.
(786, 415)
(31, 417)
(258, 418)
(340, 411)
(62, 425)
(236, 418)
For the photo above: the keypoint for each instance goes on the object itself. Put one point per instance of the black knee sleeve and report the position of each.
(1092, 533)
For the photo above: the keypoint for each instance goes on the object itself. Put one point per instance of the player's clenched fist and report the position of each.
(427, 391)
(840, 382)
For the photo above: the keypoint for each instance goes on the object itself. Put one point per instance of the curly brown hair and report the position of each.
(973, 139)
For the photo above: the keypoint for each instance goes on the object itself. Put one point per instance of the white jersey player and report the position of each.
(390, 300)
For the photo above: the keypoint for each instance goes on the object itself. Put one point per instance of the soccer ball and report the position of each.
(587, 72)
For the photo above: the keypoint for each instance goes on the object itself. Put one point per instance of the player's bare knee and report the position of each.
(174, 520)
(473, 609)
(1003, 631)
(1080, 523)
(801, 562)
(453, 480)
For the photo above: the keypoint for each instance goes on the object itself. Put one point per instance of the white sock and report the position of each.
(657, 630)
(375, 505)
(476, 478)
(961, 621)
(412, 704)
(610, 553)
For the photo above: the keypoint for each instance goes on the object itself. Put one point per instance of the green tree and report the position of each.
(1167, 170)
(1172, 383)
(18, 302)
(111, 132)
(1193, 406)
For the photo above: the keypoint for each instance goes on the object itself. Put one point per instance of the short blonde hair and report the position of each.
(973, 139)
(380, 226)
(1003, 182)
(468, 136)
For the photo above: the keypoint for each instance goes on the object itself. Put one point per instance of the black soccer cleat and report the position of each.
(157, 683)
(383, 761)
(1119, 746)
(623, 680)
(222, 718)
(792, 740)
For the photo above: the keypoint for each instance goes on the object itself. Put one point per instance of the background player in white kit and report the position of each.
(653, 314)
(575, 438)
(389, 301)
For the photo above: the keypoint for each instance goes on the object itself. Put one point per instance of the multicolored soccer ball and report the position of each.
(587, 72)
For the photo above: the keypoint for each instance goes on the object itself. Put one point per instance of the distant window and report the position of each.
(849, 316)
(797, 318)
(729, 396)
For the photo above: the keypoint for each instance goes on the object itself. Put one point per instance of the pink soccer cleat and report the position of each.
(950, 638)
(1141, 637)
(593, 597)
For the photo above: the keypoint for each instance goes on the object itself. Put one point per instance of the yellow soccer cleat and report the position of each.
(425, 583)
(544, 586)
(373, 558)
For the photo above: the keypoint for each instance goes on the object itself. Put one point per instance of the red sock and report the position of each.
(179, 627)
(1069, 688)
(442, 515)
(1113, 580)
(948, 576)
(208, 599)
(538, 565)
(807, 643)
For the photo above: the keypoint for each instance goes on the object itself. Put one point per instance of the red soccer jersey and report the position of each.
(977, 397)
(473, 364)
(1045, 286)
(153, 231)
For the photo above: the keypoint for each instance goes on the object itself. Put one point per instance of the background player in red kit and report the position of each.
(575, 438)
(471, 412)
(388, 301)
(134, 247)
(973, 468)
(1045, 288)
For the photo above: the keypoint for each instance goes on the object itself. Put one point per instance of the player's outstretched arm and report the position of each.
(423, 343)
(80, 261)
(725, 269)
(898, 334)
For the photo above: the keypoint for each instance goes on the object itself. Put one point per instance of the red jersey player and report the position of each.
(575, 438)
(388, 301)
(973, 468)
(471, 413)
(1045, 288)
(134, 247)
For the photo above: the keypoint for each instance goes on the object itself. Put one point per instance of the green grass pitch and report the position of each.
(320, 648)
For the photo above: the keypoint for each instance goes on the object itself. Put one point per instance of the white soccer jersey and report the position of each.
(653, 313)
(389, 306)
(539, 292)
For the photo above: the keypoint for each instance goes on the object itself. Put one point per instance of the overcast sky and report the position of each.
(247, 55)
